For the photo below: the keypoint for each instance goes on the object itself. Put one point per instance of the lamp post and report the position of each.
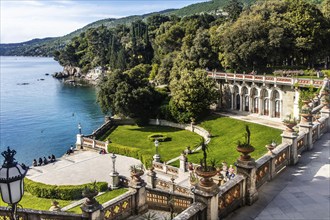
(114, 175)
(113, 158)
(79, 128)
(156, 156)
(11, 181)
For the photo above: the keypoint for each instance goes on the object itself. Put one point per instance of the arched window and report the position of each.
(238, 102)
(277, 104)
(245, 99)
(266, 106)
(256, 105)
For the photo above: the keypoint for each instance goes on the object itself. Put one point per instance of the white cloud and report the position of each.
(23, 20)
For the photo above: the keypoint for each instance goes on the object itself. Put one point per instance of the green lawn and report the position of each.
(102, 198)
(32, 202)
(137, 137)
(225, 134)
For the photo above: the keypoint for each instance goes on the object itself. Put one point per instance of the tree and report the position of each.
(234, 8)
(191, 95)
(129, 94)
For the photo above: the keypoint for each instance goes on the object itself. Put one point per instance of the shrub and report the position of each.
(65, 192)
(130, 152)
(158, 136)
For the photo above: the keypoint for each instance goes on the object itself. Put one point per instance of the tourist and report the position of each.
(231, 172)
(45, 161)
(53, 158)
(40, 161)
(34, 163)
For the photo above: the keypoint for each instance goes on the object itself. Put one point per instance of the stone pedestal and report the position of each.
(307, 128)
(79, 141)
(209, 197)
(140, 197)
(248, 169)
(183, 161)
(151, 178)
(92, 209)
(156, 158)
(325, 112)
(291, 138)
(114, 180)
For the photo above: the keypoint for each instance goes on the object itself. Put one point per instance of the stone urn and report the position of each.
(206, 175)
(136, 175)
(305, 112)
(90, 203)
(289, 126)
(245, 150)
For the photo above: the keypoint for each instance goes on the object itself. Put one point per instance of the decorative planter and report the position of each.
(245, 152)
(136, 175)
(206, 176)
(270, 147)
(90, 195)
(289, 126)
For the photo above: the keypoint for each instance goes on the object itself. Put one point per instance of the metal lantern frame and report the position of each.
(12, 181)
(113, 158)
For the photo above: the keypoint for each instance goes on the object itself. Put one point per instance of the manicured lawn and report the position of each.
(32, 202)
(225, 134)
(137, 137)
(102, 198)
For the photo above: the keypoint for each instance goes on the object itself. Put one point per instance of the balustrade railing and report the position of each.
(120, 207)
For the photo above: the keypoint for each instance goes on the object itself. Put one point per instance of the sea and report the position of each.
(39, 114)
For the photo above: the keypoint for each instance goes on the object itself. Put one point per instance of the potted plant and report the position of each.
(245, 147)
(290, 122)
(204, 171)
(136, 172)
(90, 192)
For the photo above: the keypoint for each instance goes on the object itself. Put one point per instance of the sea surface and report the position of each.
(39, 115)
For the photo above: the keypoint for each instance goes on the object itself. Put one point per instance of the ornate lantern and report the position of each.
(11, 180)
(113, 158)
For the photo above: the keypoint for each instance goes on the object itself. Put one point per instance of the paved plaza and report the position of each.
(300, 192)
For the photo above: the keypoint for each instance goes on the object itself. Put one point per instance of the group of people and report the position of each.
(44, 161)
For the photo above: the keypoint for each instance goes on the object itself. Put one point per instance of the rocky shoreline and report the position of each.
(73, 75)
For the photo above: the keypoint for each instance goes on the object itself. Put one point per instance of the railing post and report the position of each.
(325, 112)
(308, 129)
(93, 146)
(91, 208)
(140, 198)
(248, 169)
(151, 177)
(210, 198)
(291, 139)
(183, 162)
(79, 141)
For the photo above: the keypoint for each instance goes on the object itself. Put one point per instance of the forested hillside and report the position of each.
(46, 47)
(172, 50)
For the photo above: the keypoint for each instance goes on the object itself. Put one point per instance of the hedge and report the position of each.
(130, 152)
(63, 192)
(158, 136)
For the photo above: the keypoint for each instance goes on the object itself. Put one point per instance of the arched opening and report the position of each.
(255, 100)
(266, 106)
(245, 99)
(256, 105)
(277, 104)
(238, 101)
(265, 102)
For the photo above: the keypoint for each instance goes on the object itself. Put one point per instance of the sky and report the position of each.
(23, 20)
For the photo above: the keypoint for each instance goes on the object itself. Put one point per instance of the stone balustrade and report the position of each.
(28, 214)
(290, 81)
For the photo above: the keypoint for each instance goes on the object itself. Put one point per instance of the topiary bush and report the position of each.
(158, 136)
(65, 192)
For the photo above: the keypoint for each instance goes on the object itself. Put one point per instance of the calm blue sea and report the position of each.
(41, 117)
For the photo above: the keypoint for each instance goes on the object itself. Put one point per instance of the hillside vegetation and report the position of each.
(46, 46)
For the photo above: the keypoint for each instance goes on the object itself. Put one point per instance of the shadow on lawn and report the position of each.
(155, 129)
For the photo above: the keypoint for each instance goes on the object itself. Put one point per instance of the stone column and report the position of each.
(183, 162)
(208, 196)
(241, 107)
(248, 169)
(232, 101)
(296, 104)
(291, 139)
(79, 141)
(260, 107)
